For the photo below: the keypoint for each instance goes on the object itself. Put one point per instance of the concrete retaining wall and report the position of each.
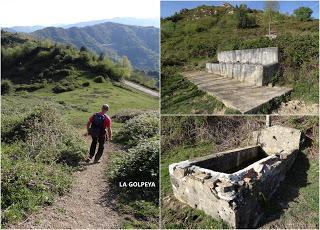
(256, 66)
(251, 73)
(264, 56)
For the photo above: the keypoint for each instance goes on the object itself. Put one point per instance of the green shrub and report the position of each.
(65, 85)
(86, 84)
(26, 185)
(38, 149)
(139, 164)
(99, 79)
(6, 87)
(60, 89)
(138, 128)
(45, 136)
(125, 115)
(30, 88)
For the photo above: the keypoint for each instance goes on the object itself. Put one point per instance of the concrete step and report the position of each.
(242, 96)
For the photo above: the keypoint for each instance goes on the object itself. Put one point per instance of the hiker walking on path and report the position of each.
(97, 125)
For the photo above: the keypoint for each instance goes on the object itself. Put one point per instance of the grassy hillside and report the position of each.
(48, 93)
(139, 44)
(191, 38)
(185, 138)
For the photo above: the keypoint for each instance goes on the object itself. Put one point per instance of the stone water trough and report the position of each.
(233, 185)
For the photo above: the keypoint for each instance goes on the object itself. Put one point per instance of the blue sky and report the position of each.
(168, 8)
(52, 12)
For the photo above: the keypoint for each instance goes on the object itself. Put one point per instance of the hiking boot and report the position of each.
(96, 161)
(88, 160)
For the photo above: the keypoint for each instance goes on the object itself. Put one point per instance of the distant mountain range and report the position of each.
(126, 20)
(139, 44)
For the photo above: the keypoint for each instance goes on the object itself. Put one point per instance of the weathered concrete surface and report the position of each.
(256, 66)
(256, 74)
(234, 185)
(264, 56)
(243, 96)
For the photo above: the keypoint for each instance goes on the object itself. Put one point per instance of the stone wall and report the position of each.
(237, 198)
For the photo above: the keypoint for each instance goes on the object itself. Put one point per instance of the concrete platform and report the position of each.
(242, 96)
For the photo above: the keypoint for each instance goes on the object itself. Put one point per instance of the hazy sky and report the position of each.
(169, 8)
(51, 12)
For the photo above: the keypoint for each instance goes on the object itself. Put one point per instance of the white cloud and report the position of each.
(51, 12)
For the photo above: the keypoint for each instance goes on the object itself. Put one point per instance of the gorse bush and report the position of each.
(139, 164)
(125, 115)
(38, 150)
(192, 130)
(59, 88)
(26, 185)
(6, 87)
(138, 128)
(86, 84)
(31, 87)
(99, 79)
(47, 137)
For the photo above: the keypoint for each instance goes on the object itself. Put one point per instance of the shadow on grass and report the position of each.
(288, 190)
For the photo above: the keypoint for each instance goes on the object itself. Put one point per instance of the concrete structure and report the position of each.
(242, 96)
(256, 66)
(233, 185)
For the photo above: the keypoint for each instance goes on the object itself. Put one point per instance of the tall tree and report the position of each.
(127, 65)
(83, 49)
(244, 19)
(101, 56)
(270, 7)
(303, 13)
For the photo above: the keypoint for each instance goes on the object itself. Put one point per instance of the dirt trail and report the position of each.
(296, 107)
(85, 206)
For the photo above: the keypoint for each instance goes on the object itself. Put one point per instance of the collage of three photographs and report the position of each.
(153, 114)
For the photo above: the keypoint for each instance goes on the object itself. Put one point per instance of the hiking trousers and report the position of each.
(95, 140)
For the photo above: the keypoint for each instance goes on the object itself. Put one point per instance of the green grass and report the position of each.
(139, 211)
(178, 95)
(300, 192)
(79, 104)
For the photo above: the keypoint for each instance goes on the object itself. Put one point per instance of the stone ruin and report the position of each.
(256, 66)
(233, 185)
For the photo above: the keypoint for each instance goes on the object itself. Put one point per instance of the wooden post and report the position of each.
(268, 121)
